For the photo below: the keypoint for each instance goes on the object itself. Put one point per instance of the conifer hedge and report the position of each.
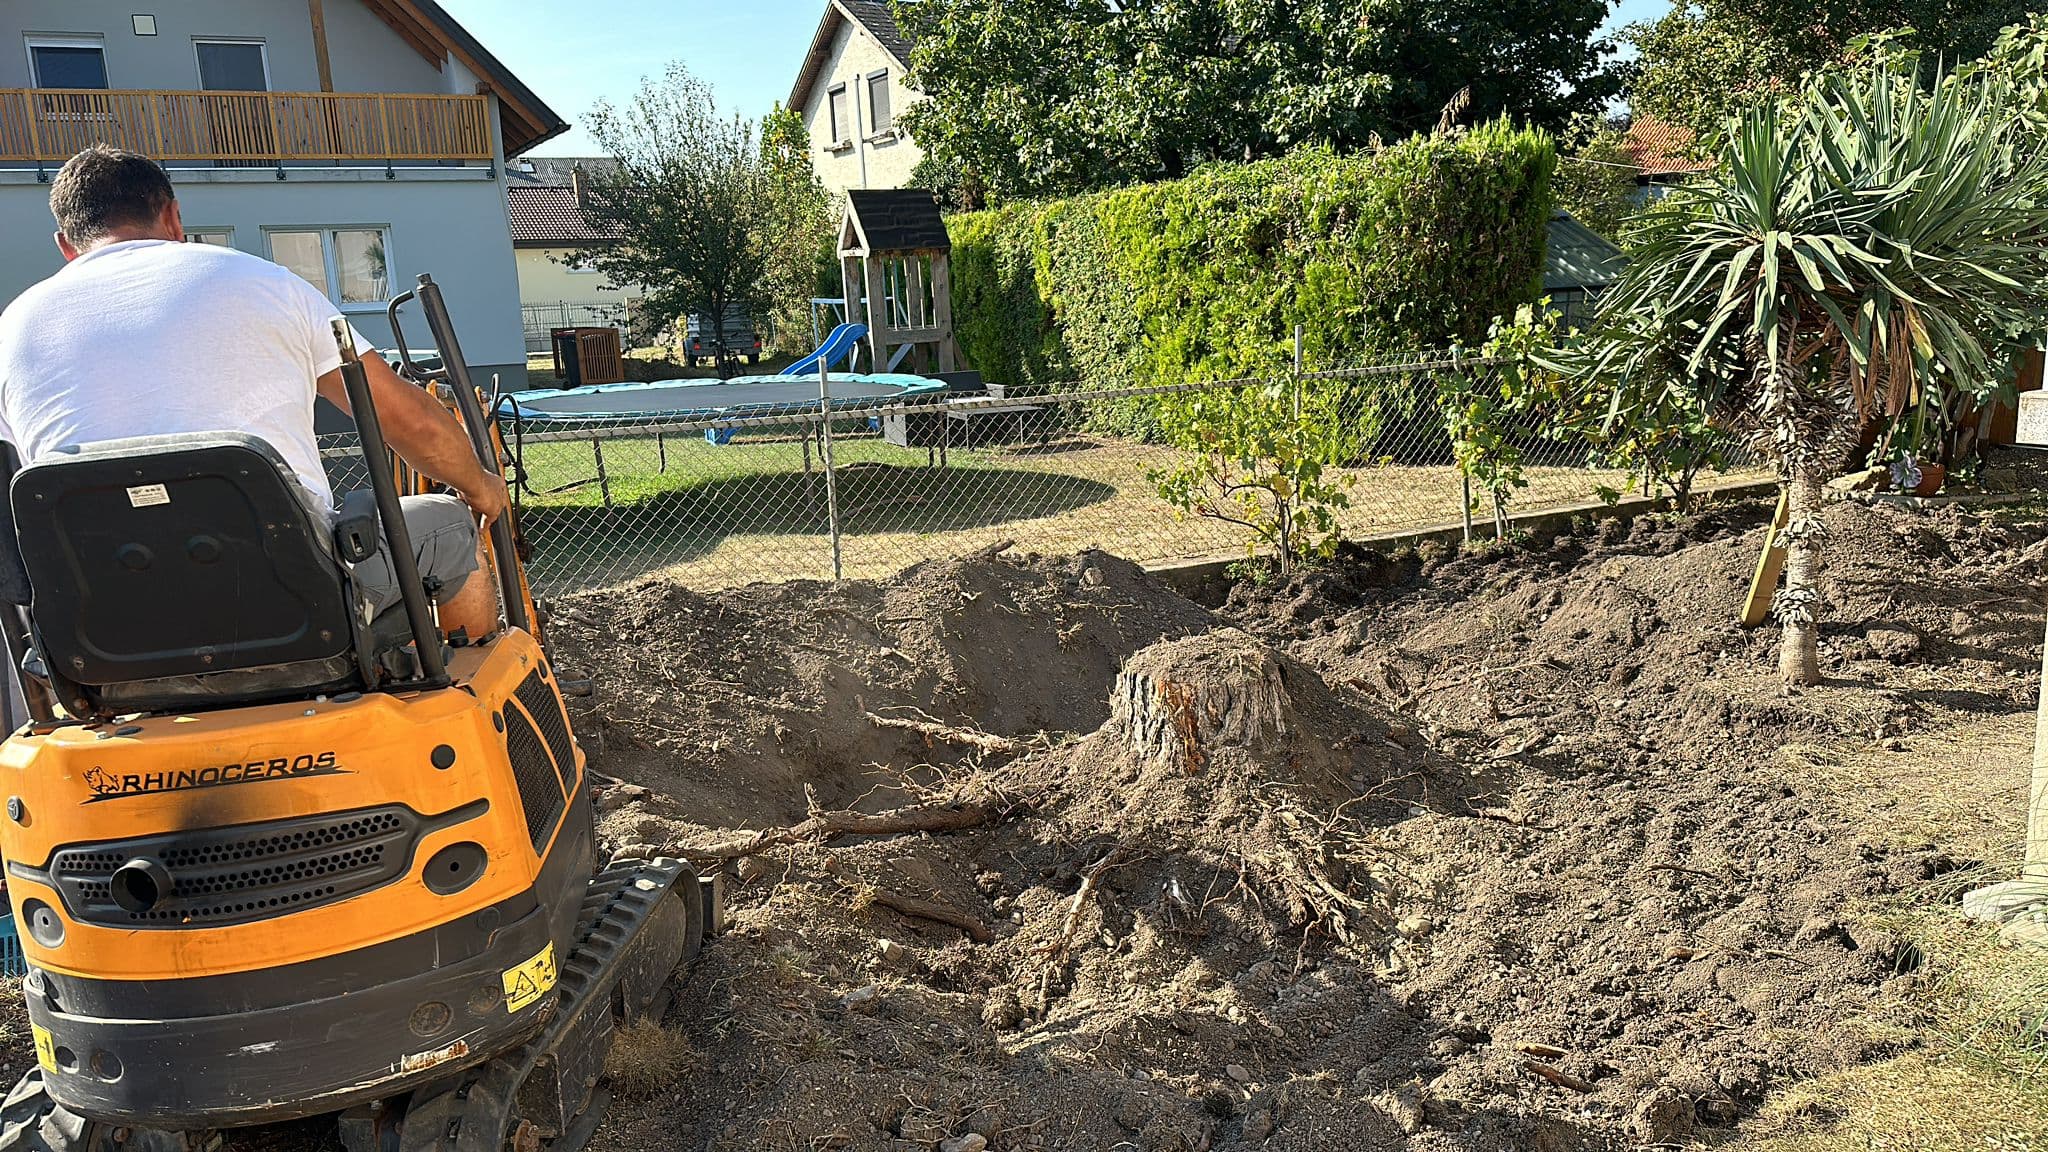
(1412, 247)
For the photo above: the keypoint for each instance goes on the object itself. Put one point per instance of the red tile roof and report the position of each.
(1660, 148)
(549, 216)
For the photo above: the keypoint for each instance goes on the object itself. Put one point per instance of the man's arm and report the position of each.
(424, 435)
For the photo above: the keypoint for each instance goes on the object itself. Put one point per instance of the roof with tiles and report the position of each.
(544, 216)
(1660, 148)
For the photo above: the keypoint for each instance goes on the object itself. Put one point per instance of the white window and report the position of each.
(351, 265)
(842, 128)
(67, 62)
(218, 237)
(579, 264)
(879, 120)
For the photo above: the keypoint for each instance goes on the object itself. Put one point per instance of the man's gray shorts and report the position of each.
(443, 532)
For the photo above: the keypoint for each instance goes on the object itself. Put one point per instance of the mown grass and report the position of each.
(719, 516)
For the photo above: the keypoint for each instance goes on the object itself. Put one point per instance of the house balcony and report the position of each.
(245, 129)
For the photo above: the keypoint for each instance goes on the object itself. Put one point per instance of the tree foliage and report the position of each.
(1053, 97)
(1866, 243)
(802, 245)
(1707, 61)
(700, 206)
(1596, 180)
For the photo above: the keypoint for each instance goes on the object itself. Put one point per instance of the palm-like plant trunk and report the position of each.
(1798, 605)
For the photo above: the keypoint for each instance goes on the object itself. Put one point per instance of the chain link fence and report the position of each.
(862, 488)
(541, 319)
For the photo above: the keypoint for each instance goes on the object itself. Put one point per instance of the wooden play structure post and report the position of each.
(895, 265)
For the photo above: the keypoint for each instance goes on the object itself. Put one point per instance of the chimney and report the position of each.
(576, 183)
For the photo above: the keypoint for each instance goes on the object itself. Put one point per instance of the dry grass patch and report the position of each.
(648, 1061)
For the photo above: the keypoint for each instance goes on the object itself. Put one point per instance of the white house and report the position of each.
(356, 142)
(850, 91)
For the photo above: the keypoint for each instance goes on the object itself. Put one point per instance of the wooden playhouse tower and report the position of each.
(895, 261)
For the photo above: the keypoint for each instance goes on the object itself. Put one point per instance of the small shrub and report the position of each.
(1258, 457)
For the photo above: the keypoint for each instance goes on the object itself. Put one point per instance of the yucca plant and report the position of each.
(1880, 235)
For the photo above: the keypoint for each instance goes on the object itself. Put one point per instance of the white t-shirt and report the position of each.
(153, 337)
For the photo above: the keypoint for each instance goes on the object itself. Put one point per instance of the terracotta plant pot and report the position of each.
(1932, 476)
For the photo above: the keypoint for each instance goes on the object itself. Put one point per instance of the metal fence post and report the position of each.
(1297, 375)
(831, 473)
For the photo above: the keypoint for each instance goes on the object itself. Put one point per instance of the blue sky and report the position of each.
(748, 52)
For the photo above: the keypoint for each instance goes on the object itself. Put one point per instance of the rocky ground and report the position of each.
(1417, 851)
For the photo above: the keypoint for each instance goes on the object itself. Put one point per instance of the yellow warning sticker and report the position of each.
(523, 985)
(46, 1048)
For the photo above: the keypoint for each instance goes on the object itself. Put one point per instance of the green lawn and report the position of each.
(718, 516)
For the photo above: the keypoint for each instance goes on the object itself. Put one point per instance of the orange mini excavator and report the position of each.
(272, 860)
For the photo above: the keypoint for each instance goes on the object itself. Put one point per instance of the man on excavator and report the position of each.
(141, 334)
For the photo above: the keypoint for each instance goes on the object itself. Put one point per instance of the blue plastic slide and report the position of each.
(838, 346)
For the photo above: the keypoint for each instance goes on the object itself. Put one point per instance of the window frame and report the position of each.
(199, 71)
(227, 234)
(840, 136)
(330, 264)
(875, 125)
(34, 40)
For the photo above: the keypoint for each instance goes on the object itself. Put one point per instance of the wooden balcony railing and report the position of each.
(51, 125)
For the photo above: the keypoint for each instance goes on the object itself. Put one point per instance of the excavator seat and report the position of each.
(188, 571)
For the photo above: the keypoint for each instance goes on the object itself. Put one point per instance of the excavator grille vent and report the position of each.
(244, 873)
(541, 703)
(540, 789)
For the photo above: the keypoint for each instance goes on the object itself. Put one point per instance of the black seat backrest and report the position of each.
(177, 556)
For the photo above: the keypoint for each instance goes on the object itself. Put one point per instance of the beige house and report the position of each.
(850, 91)
(551, 242)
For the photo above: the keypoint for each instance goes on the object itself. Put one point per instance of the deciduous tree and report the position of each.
(1708, 60)
(1040, 97)
(692, 199)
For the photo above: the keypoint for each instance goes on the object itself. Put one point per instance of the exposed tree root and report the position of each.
(911, 906)
(932, 730)
(824, 827)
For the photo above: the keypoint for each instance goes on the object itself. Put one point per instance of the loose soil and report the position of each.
(1419, 851)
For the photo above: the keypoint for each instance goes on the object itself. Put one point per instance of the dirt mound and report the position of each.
(745, 705)
(1429, 851)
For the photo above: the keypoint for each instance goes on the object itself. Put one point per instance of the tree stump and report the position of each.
(1177, 704)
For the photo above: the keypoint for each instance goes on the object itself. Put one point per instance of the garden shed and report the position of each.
(1578, 265)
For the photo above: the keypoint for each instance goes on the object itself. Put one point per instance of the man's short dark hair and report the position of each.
(102, 189)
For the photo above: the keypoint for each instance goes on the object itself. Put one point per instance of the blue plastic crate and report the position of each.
(12, 962)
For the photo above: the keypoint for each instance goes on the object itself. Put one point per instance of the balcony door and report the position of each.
(238, 125)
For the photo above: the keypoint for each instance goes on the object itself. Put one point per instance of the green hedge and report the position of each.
(1415, 246)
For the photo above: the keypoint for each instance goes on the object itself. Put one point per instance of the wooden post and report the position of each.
(319, 15)
(942, 311)
(878, 312)
(849, 282)
(1769, 568)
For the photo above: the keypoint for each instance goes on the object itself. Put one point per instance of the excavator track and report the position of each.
(640, 920)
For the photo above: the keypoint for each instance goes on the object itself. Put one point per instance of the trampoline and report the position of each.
(685, 401)
(720, 409)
